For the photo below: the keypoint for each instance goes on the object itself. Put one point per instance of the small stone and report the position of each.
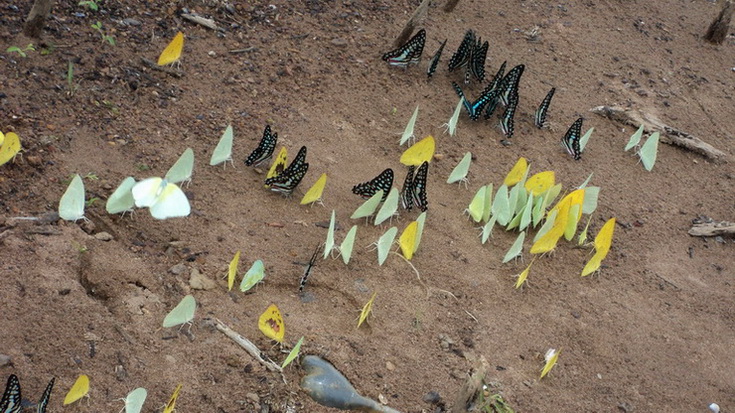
(253, 397)
(438, 156)
(432, 397)
(177, 269)
(199, 281)
(103, 236)
(390, 366)
(4, 360)
(131, 22)
(382, 399)
(626, 407)
(34, 160)
(338, 41)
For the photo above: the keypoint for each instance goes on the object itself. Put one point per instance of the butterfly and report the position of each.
(434, 62)
(345, 248)
(406, 196)
(452, 123)
(41, 405)
(476, 65)
(384, 243)
(517, 173)
(9, 146)
(79, 389)
(232, 271)
(506, 124)
(71, 205)
(475, 108)
(649, 151)
(223, 151)
(271, 324)
(409, 53)
(571, 139)
(515, 249)
(182, 169)
(163, 199)
(292, 354)
(368, 207)
(494, 88)
(135, 399)
(418, 187)
(635, 138)
(603, 241)
(366, 309)
(255, 274)
(182, 313)
(314, 194)
(329, 243)
(459, 173)
(509, 83)
(407, 240)
(312, 262)
(382, 182)
(10, 403)
(389, 207)
(172, 52)
(265, 148)
(462, 56)
(549, 361)
(289, 179)
(419, 152)
(408, 132)
(172, 401)
(523, 276)
(539, 118)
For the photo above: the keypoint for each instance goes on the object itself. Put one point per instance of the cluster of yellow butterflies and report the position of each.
(133, 401)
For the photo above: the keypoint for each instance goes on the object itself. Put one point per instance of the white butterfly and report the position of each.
(71, 205)
(164, 199)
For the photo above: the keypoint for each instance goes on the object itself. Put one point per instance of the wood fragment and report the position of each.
(195, 18)
(245, 50)
(713, 229)
(151, 64)
(670, 135)
(417, 15)
(246, 344)
(717, 30)
(37, 18)
(472, 388)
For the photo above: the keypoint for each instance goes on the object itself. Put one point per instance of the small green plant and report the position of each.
(90, 5)
(21, 52)
(143, 167)
(92, 176)
(91, 202)
(71, 86)
(105, 37)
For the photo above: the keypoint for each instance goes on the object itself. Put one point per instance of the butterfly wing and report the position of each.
(265, 148)
(434, 62)
(10, 403)
(41, 405)
(289, 179)
(515, 249)
(314, 193)
(389, 206)
(71, 205)
(78, 390)
(182, 169)
(477, 63)
(329, 244)
(172, 52)
(407, 240)
(406, 196)
(171, 202)
(10, 147)
(255, 274)
(409, 53)
(382, 182)
(508, 117)
(635, 138)
(649, 151)
(419, 187)
(345, 249)
(539, 118)
(462, 55)
(271, 324)
(172, 401)
(384, 244)
(460, 171)
(182, 313)
(135, 400)
(369, 206)
(232, 271)
(293, 353)
(223, 150)
(146, 191)
(571, 139)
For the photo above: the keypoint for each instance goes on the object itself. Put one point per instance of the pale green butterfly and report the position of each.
(164, 200)
(487, 229)
(586, 181)
(255, 274)
(487, 207)
(548, 224)
(368, 207)
(634, 138)
(408, 133)
(223, 150)
(135, 399)
(513, 199)
(501, 206)
(384, 244)
(477, 205)
(591, 194)
(526, 213)
(293, 354)
(345, 249)
(182, 169)
(182, 313)
(390, 206)
(71, 205)
(648, 151)
(538, 209)
(329, 244)
(515, 249)
(516, 221)
(420, 230)
(452, 124)
(585, 138)
(583, 235)
(521, 198)
(122, 199)
(459, 173)
(551, 194)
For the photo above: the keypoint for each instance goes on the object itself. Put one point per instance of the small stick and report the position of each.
(248, 345)
(195, 18)
(417, 15)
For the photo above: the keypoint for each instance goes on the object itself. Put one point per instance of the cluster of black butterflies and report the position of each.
(11, 401)
(503, 88)
(412, 193)
(286, 179)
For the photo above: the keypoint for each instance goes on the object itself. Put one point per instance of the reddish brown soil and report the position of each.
(653, 332)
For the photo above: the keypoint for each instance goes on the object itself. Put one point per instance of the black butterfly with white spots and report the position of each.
(571, 139)
(409, 53)
(286, 181)
(265, 148)
(383, 182)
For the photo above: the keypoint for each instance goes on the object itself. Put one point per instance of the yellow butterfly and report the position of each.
(78, 390)
(551, 357)
(314, 194)
(522, 277)
(366, 309)
(407, 240)
(271, 324)
(279, 164)
(549, 240)
(540, 183)
(232, 271)
(10, 147)
(516, 173)
(603, 241)
(172, 401)
(172, 52)
(420, 152)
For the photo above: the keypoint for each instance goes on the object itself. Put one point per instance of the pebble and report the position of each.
(432, 397)
(198, 281)
(131, 22)
(390, 366)
(177, 269)
(338, 41)
(103, 236)
(4, 360)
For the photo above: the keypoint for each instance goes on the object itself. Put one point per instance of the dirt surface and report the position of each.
(652, 332)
